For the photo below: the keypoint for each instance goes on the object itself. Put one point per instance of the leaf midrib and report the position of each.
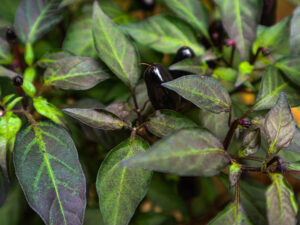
(43, 149)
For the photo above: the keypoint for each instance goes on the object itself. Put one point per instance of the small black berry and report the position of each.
(17, 81)
(2, 111)
(183, 53)
(147, 5)
(160, 97)
(10, 34)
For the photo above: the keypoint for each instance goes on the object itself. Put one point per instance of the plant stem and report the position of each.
(21, 93)
(230, 134)
(232, 55)
(137, 110)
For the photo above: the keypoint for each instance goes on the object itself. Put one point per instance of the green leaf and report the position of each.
(273, 83)
(65, 3)
(251, 143)
(240, 19)
(48, 169)
(165, 122)
(165, 34)
(10, 124)
(294, 146)
(79, 38)
(290, 66)
(217, 124)
(7, 73)
(75, 73)
(279, 125)
(272, 37)
(52, 58)
(97, 118)
(3, 185)
(193, 12)
(12, 104)
(281, 203)
(5, 52)
(295, 33)
(192, 65)
(200, 150)
(7, 98)
(114, 48)
(121, 189)
(28, 88)
(205, 92)
(230, 215)
(34, 18)
(8, 9)
(235, 172)
(48, 110)
(226, 74)
(92, 215)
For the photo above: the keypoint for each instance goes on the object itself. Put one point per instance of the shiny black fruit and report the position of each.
(10, 34)
(268, 15)
(217, 33)
(17, 81)
(183, 53)
(160, 97)
(147, 5)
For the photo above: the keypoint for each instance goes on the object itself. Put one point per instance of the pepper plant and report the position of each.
(136, 112)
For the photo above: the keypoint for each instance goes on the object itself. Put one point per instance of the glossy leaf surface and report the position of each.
(97, 118)
(114, 48)
(240, 19)
(251, 143)
(48, 169)
(193, 12)
(279, 125)
(205, 92)
(200, 150)
(165, 122)
(273, 83)
(121, 189)
(281, 203)
(35, 17)
(165, 34)
(193, 65)
(75, 73)
(51, 58)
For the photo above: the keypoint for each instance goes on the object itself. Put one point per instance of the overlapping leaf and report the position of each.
(294, 146)
(230, 215)
(217, 124)
(279, 125)
(281, 203)
(205, 92)
(114, 48)
(240, 19)
(164, 34)
(121, 189)
(48, 169)
(272, 84)
(76, 73)
(5, 53)
(192, 11)
(51, 58)
(290, 66)
(48, 110)
(97, 118)
(192, 65)
(272, 37)
(7, 73)
(295, 33)
(79, 38)
(251, 143)
(165, 122)
(35, 17)
(187, 152)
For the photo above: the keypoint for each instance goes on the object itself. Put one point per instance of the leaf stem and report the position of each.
(137, 110)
